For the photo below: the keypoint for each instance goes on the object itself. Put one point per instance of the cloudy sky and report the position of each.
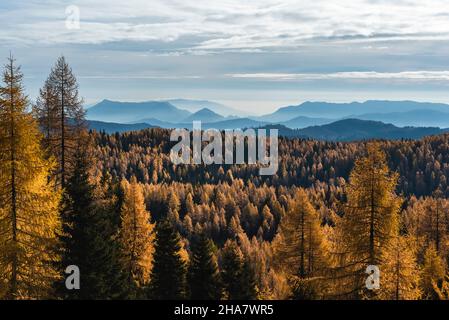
(256, 55)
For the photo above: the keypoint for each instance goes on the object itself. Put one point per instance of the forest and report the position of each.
(117, 208)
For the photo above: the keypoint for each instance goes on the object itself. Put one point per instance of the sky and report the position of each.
(253, 55)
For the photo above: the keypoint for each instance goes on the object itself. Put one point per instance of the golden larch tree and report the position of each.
(29, 220)
(370, 220)
(136, 236)
(433, 273)
(299, 246)
(400, 274)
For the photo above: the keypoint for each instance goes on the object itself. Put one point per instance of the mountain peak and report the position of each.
(206, 111)
(204, 115)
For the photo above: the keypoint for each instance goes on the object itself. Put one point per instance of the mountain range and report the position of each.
(125, 112)
(320, 120)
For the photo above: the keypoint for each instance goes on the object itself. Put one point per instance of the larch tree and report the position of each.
(299, 246)
(168, 274)
(203, 276)
(65, 113)
(442, 290)
(29, 220)
(44, 110)
(370, 220)
(136, 238)
(432, 274)
(426, 220)
(400, 274)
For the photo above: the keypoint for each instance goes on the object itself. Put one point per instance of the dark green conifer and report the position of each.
(203, 276)
(168, 276)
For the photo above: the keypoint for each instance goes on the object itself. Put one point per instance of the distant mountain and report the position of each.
(196, 105)
(284, 131)
(356, 129)
(421, 118)
(303, 122)
(239, 123)
(204, 115)
(123, 112)
(342, 110)
(110, 127)
(342, 130)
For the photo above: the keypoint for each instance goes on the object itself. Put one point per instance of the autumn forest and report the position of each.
(139, 227)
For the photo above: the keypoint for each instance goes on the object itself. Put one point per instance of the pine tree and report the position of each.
(88, 236)
(370, 218)
(29, 220)
(236, 274)
(249, 290)
(203, 276)
(136, 238)
(62, 111)
(168, 275)
(299, 246)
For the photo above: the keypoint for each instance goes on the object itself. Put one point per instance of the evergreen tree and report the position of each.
(203, 276)
(29, 220)
(88, 237)
(168, 275)
(248, 282)
(236, 273)
(136, 238)
(60, 109)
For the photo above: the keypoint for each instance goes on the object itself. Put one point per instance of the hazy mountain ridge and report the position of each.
(319, 120)
(356, 129)
(125, 112)
(342, 130)
(417, 118)
(111, 127)
(336, 111)
(196, 105)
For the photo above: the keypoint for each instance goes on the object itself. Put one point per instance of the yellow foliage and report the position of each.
(29, 219)
(136, 234)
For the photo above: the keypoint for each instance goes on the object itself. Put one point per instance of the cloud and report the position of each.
(226, 25)
(369, 75)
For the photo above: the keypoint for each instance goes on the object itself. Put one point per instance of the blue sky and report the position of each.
(255, 55)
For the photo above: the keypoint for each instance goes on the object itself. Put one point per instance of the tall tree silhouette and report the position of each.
(60, 112)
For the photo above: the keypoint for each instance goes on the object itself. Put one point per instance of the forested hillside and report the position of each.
(139, 227)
